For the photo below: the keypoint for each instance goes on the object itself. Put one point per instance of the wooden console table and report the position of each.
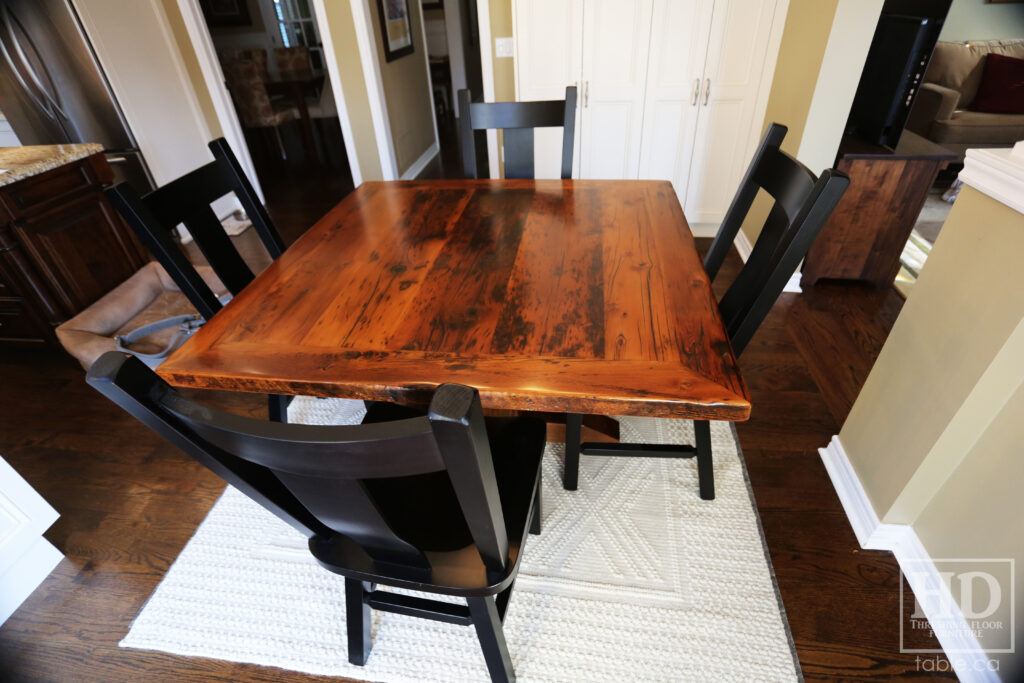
(866, 233)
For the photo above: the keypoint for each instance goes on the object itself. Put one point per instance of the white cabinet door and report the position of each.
(548, 46)
(725, 137)
(675, 73)
(616, 39)
(25, 556)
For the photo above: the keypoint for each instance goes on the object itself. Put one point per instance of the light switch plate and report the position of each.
(504, 47)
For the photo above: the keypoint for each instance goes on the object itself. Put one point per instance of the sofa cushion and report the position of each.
(959, 65)
(981, 128)
(1002, 86)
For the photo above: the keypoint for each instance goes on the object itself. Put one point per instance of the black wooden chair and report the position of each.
(438, 503)
(187, 201)
(517, 120)
(802, 205)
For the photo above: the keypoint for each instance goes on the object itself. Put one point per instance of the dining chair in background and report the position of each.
(293, 62)
(255, 109)
(517, 121)
(258, 55)
(802, 205)
(187, 201)
(439, 503)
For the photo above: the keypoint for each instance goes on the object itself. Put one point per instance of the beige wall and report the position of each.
(936, 434)
(924, 404)
(504, 67)
(977, 514)
(406, 92)
(981, 19)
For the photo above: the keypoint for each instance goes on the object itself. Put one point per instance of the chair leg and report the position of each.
(573, 435)
(705, 470)
(487, 622)
(357, 616)
(280, 143)
(535, 522)
(277, 407)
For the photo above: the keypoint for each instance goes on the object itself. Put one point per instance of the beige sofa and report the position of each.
(942, 111)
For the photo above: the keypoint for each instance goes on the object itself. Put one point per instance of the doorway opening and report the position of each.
(272, 57)
(453, 50)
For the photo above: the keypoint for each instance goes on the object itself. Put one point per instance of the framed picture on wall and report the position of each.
(395, 28)
(226, 13)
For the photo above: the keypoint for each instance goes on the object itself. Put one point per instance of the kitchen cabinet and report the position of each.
(62, 245)
(668, 89)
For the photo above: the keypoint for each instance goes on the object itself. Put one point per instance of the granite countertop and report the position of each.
(18, 163)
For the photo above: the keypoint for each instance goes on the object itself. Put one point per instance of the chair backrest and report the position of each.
(517, 120)
(293, 62)
(803, 204)
(257, 55)
(345, 480)
(249, 93)
(187, 201)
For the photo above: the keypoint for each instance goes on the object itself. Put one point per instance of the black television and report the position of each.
(904, 39)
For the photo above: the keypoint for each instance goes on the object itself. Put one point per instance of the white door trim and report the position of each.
(374, 89)
(433, 150)
(331, 60)
(951, 628)
(209, 65)
(483, 11)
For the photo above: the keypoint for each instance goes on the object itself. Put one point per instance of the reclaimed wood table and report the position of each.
(575, 296)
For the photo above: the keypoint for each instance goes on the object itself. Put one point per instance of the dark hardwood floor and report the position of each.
(129, 502)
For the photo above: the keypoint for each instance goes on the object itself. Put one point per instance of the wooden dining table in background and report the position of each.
(581, 296)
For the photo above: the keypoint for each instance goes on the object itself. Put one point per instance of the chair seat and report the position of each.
(432, 519)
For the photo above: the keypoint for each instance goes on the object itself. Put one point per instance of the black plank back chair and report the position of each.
(802, 205)
(517, 120)
(187, 200)
(439, 503)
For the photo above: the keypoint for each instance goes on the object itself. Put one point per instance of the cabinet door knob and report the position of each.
(586, 94)
(707, 90)
(695, 94)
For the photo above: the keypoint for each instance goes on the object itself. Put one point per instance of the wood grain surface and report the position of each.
(579, 296)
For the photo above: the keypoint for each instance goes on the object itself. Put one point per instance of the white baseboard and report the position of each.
(743, 246)
(937, 602)
(741, 242)
(421, 163)
(27, 572)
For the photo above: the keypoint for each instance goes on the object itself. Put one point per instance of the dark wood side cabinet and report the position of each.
(62, 247)
(865, 235)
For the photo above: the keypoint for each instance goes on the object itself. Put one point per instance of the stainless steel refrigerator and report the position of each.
(53, 91)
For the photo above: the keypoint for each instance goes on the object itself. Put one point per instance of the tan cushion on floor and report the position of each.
(979, 127)
(147, 296)
(959, 66)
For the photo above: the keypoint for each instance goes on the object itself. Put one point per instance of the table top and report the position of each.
(572, 296)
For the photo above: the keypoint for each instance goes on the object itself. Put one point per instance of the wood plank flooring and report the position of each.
(129, 502)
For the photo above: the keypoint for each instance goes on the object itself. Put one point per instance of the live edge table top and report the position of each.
(568, 296)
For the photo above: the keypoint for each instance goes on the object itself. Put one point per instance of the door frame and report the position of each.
(231, 127)
(483, 11)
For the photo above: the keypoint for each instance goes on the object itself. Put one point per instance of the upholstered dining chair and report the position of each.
(517, 120)
(293, 62)
(803, 203)
(187, 200)
(253, 104)
(258, 55)
(439, 503)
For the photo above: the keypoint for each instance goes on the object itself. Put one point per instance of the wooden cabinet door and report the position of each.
(616, 41)
(726, 135)
(549, 39)
(82, 249)
(675, 73)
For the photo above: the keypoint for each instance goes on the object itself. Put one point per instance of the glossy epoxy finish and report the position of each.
(579, 296)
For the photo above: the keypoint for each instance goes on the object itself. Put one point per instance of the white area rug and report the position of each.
(633, 578)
